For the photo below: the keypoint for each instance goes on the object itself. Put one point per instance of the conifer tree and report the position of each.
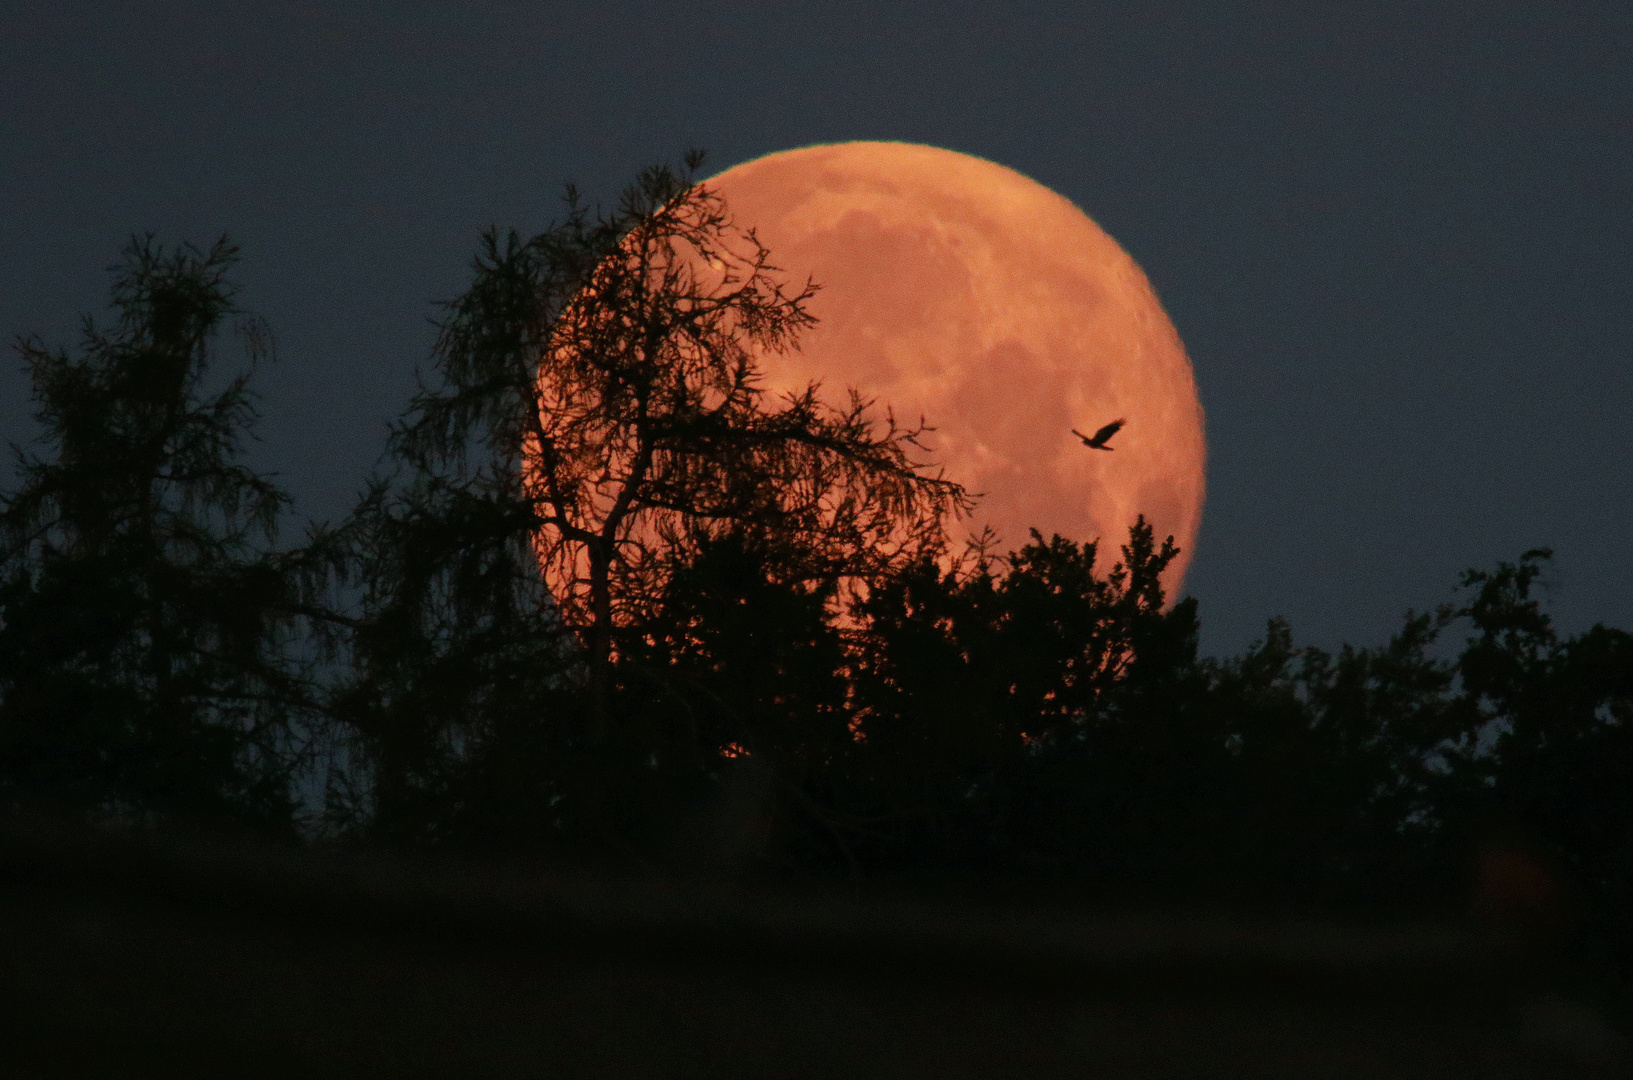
(144, 612)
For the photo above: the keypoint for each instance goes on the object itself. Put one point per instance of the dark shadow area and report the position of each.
(163, 956)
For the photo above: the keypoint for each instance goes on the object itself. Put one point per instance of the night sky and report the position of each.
(1397, 240)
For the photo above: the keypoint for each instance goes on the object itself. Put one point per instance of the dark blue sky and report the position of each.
(1397, 239)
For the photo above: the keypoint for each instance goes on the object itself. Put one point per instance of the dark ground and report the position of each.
(136, 956)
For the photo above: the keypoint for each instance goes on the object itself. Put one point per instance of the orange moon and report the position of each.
(962, 291)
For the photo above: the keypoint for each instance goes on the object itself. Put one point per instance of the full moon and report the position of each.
(958, 290)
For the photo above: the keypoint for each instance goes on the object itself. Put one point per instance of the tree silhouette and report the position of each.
(600, 416)
(1554, 773)
(605, 589)
(744, 698)
(647, 431)
(970, 683)
(143, 611)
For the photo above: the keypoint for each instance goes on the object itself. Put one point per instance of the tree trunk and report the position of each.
(600, 643)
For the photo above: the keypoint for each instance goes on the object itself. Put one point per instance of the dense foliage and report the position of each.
(143, 659)
(752, 648)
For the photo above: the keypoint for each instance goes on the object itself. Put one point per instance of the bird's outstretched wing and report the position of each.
(1098, 442)
(1108, 431)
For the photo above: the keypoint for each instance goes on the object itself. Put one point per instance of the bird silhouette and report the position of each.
(1102, 436)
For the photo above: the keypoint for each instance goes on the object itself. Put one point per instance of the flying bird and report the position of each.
(1102, 436)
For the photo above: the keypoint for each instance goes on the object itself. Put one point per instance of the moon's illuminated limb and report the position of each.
(963, 291)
